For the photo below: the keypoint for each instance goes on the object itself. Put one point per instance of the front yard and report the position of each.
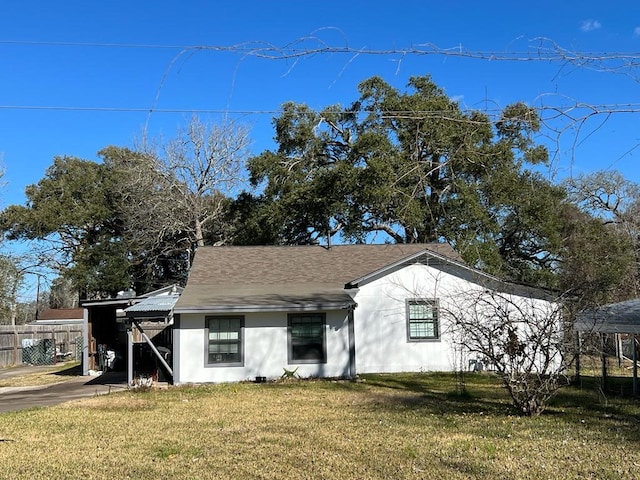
(385, 426)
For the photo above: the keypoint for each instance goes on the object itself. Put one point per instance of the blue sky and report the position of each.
(78, 76)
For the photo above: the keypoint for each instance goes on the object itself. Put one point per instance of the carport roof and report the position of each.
(161, 304)
(622, 317)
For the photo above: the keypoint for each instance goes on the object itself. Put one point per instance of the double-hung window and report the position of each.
(422, 319)
(307, 339)
(224, 340)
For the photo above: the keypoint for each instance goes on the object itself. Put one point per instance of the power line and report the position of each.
(88, 44)
(134, 109)
(558, 109)
(543, 49)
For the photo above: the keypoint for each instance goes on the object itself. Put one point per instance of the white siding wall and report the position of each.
(382, 343)
(381, 324)
(265, 349)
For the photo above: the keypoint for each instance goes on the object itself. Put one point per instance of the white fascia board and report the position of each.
(409, 259)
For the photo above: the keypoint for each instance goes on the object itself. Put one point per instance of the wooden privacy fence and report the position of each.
(39, 344)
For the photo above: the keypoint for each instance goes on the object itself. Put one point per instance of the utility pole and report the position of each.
(37, 294)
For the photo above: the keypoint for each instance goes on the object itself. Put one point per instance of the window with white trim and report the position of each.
(422, 319)
(224, 340)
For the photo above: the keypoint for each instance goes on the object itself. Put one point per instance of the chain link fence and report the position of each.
(39, 352)
(44, 352)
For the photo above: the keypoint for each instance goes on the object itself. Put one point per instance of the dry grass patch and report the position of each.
(46, 375)
(391, 426)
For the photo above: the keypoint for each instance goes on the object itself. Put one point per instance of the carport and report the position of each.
(622, 318)
(157, 310)
(134, 331)
(103, 331)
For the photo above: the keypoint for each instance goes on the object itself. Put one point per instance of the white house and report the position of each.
(255, 312)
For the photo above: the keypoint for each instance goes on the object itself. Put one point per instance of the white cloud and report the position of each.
(589, 25)
(636, 32)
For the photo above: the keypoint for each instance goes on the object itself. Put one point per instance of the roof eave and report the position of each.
(264, 308)
(148, 314)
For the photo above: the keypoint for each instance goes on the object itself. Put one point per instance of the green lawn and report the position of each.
(385, 426)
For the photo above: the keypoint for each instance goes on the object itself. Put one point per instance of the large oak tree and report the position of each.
(72, 214)
(414, 167)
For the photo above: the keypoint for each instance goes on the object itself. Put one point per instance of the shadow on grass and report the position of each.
(615, 407)
(443, 393)
(483, 394)
(588, 394)
(618, 386)
(436, 394)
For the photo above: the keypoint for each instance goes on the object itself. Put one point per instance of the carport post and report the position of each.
(85, 341)
(635, 366)
(129, 355)
(603, 360)
(578, 348)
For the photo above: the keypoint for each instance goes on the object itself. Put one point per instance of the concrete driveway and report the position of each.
(18, 398)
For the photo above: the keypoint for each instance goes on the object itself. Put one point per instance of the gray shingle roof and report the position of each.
(284, 277)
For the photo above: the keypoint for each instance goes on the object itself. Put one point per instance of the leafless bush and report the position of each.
(520, 337)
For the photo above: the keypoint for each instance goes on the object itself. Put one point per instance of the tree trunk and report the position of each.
(199, 238)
